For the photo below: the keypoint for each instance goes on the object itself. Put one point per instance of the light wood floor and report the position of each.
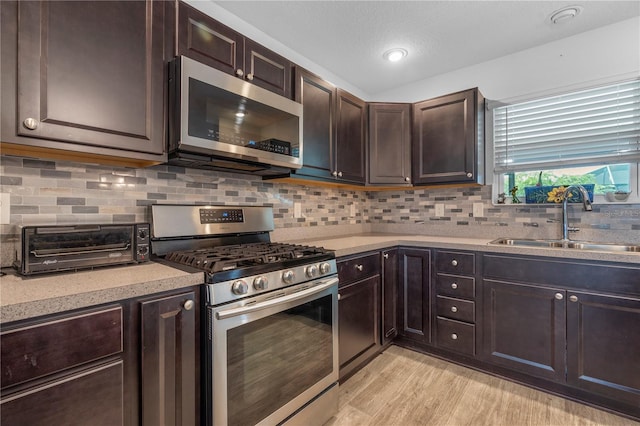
(405, 388)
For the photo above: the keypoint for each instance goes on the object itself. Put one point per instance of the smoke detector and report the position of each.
(565, 14)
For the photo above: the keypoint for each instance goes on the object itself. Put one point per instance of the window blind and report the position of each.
(594, 126)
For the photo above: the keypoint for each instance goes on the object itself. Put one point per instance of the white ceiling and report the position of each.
(348, 37)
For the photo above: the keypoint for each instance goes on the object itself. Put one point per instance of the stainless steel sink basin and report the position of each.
(576, 245)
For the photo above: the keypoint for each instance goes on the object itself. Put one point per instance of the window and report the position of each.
(588, 137)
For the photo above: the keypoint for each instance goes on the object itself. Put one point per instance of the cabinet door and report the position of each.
(351, 149)
(267, 69)
(206, 40)
(390, 144)
(414, 294)
(603, 345)
(88, 397)
(525, 328)
(359, 330)
(318, 99)
(169, 360)
(445, 139)
(389, 295)
(91, 74)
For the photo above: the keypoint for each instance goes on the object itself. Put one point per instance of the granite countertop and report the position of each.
(28, 297)
(352, 244)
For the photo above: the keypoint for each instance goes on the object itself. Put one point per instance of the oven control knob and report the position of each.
(260, 283)
(239, 287)
(312, 271)
(325, 268)
(288, 276)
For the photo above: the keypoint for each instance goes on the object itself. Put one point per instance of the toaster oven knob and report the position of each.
(143, 251)
(142, 234)
(312, 271)
(325, 268)
(288, 276)
(239, 287)
(260, 283)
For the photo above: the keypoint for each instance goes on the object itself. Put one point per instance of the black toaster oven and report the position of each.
(71, 247)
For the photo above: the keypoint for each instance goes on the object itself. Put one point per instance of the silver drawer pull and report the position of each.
(573, 298)
(454, 309)
(559, 296)
(454, 286)
(359, 268)
(454, 262)
(188, 305)
(454, 336)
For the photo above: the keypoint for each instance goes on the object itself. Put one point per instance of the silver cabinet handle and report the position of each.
(469, 175)
(573, 298)
(454, 309)
(359, 267)
(339, 297)
(30, 123)
(239, 72)
(454, 286)
(559, 296)
(386, 255)
(188, 305)
(407, 179)
(454, 262)
(339, 174)
(249, 77)
(454, 336)
(334, 173)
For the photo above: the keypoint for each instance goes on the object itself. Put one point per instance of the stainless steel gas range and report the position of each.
(271, 342)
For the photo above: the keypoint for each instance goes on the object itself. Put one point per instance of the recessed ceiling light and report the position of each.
(565, 14)
(394, 55)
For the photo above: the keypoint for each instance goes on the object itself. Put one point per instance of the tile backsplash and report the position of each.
(58, 192)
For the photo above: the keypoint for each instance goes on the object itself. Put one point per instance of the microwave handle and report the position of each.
(273, 302)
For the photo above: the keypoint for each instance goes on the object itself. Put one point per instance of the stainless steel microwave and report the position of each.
(221, 122)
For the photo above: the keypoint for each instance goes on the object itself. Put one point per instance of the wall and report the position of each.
(58, 192)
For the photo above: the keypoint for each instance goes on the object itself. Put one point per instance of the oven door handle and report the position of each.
(277, 301)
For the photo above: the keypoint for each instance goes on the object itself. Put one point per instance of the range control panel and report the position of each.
(221, 216)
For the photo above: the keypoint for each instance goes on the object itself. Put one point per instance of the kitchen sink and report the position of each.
(576, 245)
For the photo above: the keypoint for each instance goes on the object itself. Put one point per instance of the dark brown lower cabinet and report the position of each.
(169, 385)
(414, 302)
(389, 296)
(525, 328)
(603, 345)
(359, 329)
(93, 396)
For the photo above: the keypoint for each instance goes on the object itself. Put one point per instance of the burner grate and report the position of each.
(225, 258)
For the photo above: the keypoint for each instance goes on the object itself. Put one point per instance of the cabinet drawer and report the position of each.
(455, 262)
(457, 336)
(358, 268)
(37, 350)
(462, 310)
(456, 286)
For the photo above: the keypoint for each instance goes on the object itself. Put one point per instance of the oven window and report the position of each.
(272, 360)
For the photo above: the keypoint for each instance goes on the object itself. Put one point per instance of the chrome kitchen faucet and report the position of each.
(565, 219)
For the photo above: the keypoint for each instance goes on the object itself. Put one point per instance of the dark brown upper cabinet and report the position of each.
(318, 98)
(85, 77)
(448, 139)
(351, 148)
(206, 40)
(389, 144)
(334, 132)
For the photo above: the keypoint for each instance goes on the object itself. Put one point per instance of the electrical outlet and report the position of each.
(297, 210)
(478, 209)
(439, 210)
(5, 208)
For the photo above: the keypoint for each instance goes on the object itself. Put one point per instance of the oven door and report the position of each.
(272, 354)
